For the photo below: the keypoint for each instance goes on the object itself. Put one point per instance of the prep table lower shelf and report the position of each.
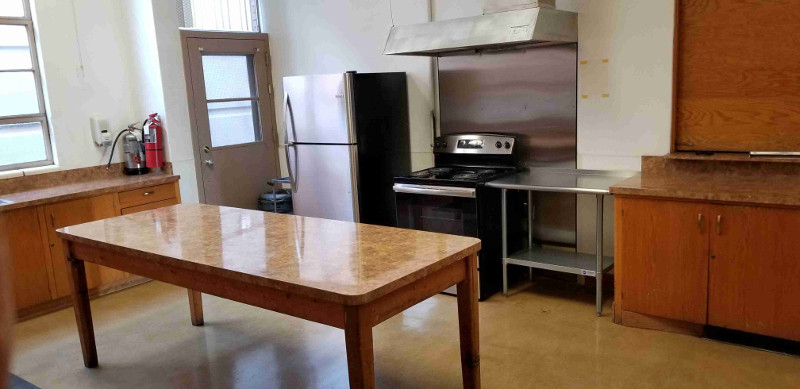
(559, 260)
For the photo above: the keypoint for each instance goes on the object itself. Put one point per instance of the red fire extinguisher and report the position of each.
(153, 142)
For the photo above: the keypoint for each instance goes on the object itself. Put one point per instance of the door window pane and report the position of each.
(15, 51)
(11, 8)
(21, 143)
(233, 122)
(18, 94)
(229, 76)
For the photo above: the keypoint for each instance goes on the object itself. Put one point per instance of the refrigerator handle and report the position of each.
(288, 113)
(287, 144)
(292, 182)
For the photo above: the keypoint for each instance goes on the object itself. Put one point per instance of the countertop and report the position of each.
(91, 186)
(722, 177)
(561, 180)
(336, 261)
(766, 190)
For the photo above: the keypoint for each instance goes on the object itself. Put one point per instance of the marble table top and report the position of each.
(337, 261)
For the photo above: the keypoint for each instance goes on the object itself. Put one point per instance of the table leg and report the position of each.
(83, 313)
(468, 324)
(358, 340)
(196, 307)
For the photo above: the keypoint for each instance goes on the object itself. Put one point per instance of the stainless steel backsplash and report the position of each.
(530, 93)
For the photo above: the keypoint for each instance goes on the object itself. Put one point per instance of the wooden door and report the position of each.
(754, 282)
(232, 118)
(662, 252)
(22, 242)
(76, 212)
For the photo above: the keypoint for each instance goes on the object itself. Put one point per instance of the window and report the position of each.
(224, 15)
(24, 133)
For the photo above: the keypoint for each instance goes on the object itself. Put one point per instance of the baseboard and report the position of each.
(66, 301)
(639, 320)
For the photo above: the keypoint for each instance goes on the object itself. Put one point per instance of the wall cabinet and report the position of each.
(38, 266)
(723, 265)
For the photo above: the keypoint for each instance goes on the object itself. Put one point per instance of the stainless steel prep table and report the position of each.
(591, 182)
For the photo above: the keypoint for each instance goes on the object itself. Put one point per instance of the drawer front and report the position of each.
(149, 206)
(147, 195)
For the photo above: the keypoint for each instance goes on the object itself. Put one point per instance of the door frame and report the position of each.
(185, 34)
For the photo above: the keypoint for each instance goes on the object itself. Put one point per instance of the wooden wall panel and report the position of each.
(737, 75)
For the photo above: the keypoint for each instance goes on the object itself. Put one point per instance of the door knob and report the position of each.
(209, 162)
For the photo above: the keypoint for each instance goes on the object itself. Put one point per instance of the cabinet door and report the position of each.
(662, 253)
(77, 212)
(754, 283)
(21, 240)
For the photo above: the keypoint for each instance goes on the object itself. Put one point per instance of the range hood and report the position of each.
(498, 27)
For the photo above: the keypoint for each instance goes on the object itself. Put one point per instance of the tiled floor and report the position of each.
(545, 336)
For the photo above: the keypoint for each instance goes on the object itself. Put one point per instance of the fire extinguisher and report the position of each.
(153, 142)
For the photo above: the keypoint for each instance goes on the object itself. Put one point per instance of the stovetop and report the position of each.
(454, 175)
(466, 160)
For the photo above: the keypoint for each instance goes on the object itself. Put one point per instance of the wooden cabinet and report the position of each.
(754, 282)
(729, 266)
(38, 266)
(76, 212)
(21, 240)
(664, 248)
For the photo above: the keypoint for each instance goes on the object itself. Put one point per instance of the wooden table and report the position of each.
(346, 275)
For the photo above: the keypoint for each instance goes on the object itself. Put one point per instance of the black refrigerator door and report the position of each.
(382, 134)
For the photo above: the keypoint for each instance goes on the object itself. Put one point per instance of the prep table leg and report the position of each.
(599, 270)
(530, 230)
(358, 340)
(504, 238)
(196, 307)
(83, 313)
(467, 295)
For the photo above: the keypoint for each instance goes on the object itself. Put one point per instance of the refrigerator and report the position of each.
(346, 136)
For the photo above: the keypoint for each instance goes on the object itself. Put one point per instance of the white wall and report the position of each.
(122, 63)
(90, 78)
(334, 36)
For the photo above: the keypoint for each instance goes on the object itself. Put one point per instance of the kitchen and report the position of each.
(539, 335)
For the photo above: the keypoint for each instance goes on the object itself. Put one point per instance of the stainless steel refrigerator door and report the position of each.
(318, 109)
(325, 181)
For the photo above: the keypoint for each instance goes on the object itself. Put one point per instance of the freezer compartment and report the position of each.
(318, 109)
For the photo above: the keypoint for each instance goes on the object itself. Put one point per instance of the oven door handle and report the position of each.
(435, 190)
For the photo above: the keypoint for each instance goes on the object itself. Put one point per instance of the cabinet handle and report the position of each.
(700, 221)
(53, 220)
(147, 193)
(719, 224)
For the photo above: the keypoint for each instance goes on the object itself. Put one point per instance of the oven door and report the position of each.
(445, 209)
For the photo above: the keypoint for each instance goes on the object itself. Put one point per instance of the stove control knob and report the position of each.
(508, 145)
(498, 144)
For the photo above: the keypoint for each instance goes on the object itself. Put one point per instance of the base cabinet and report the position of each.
(38, 266)
(730, 266)
(21, 241)
(754, 282)
(76, 212)
(664, 248)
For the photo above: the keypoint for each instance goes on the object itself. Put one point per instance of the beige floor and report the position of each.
(545, 336)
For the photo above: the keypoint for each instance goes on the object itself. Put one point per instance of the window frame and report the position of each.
(186, 11)
(40, 117)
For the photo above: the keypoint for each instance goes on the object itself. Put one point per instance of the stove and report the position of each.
(451, 197)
